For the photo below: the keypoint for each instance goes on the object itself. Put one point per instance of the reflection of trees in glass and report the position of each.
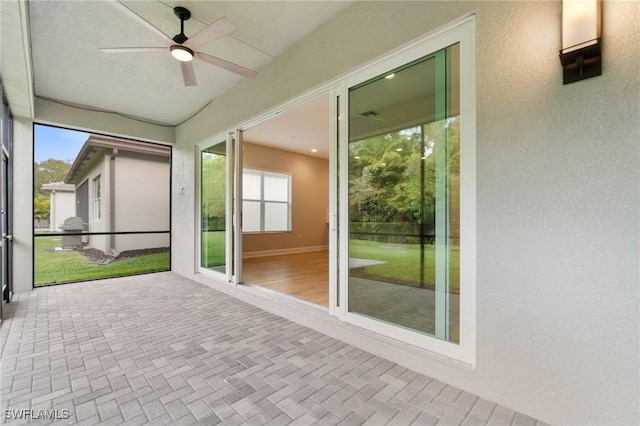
(385, 175)
(213, 191)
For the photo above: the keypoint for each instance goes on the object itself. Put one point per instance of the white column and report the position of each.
(22, 205)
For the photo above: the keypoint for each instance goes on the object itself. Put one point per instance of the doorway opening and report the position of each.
(285, 203)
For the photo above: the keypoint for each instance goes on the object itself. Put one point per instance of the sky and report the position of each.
(57, 143)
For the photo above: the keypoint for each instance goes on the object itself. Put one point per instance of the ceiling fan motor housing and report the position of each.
(180, 38)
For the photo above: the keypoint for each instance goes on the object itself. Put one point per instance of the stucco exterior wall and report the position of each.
(62, 204)
(141, 200)
(557, 196)
(309, 195)
(98, 167)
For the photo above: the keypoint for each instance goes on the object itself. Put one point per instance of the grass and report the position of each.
(402, 263)
(54, 267)
(213, 245)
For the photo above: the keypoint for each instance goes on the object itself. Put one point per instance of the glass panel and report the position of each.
(276, 216)
(251, 216)
(251, 184)
(214, 212)
(276, 187)
(404, 196)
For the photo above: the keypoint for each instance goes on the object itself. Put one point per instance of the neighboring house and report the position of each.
(62, 203)
(122, 186)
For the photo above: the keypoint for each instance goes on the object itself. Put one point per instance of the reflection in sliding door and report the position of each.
(214, 208)
(404, 196)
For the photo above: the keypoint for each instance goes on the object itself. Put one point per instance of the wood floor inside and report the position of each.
(301, 275)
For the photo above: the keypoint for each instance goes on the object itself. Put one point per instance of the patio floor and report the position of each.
(162, 349)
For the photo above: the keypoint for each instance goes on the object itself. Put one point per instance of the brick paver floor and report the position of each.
(162, 349)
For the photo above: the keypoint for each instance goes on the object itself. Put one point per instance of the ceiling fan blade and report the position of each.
(229, 66)
(219, 28)
(133, 49)
(139, 19)
(188, 74)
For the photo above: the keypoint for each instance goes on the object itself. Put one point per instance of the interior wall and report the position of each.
(309, 196)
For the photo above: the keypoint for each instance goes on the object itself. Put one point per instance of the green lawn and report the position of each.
(402, 263)
(213, 248)
(53, 267)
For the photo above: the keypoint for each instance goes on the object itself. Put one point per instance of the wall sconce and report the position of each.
(580, 55)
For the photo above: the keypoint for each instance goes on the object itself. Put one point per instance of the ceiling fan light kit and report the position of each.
(181, 53)
(184, 48)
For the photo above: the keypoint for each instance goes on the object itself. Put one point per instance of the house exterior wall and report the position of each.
(558, 199)
(98, 167)
(61, 206)
(141, 190)
(309, 200)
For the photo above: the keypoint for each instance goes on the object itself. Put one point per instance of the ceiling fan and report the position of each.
(183, 48)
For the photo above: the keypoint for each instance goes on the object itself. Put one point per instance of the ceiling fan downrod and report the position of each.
(183, 14)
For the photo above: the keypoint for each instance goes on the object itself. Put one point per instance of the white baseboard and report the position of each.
(283, 251)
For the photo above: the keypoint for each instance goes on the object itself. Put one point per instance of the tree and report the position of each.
(49, 171)
(214, 169)
(392, 177)
(41, 206)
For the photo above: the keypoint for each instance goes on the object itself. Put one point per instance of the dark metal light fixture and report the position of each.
(581, 45)
(178, 51)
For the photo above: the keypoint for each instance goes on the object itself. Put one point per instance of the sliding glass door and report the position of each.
(220, 226)
(213, 195)
(400, 222)
(404, 196)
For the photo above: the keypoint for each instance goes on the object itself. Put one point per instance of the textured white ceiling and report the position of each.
(301, 129)
(69, 68)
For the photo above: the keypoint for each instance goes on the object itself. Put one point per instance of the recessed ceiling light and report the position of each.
(314, 150)
(390, 76)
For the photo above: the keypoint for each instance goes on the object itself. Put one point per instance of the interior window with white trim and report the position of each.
(266, 201)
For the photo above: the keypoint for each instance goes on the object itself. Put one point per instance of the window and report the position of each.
(97, 192)
(266, 201)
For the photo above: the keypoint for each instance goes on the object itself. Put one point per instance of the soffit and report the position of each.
(15, 63)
